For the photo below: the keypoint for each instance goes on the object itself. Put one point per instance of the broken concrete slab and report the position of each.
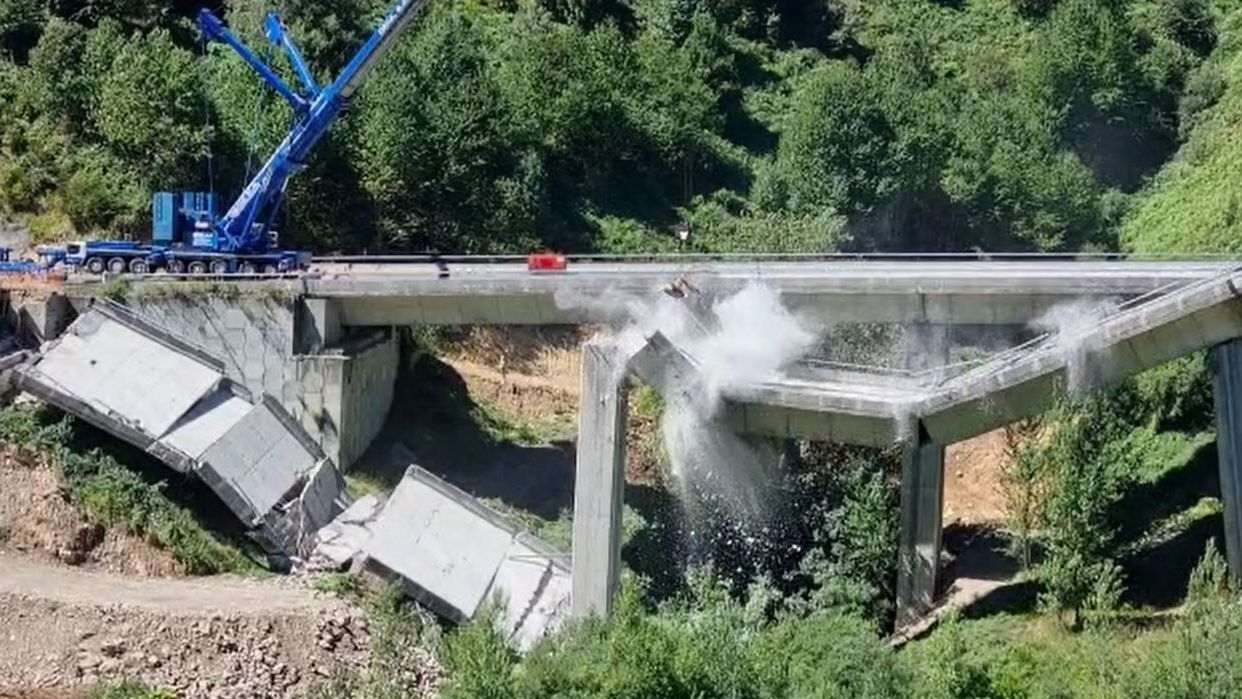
(454, 556)
(143, 385)
(345, 538)
(121, 371)
(292, 525)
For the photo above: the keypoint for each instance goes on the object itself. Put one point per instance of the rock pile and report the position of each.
(210, 657)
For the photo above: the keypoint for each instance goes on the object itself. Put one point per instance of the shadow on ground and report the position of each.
(1164, 529)
(435, 424)
(1159, 564)
(982, 568)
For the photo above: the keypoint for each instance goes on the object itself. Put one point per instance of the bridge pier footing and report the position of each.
(600, 479)
(1226, 364)
(918, 554)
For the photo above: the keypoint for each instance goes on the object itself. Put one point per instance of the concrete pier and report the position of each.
(918, 553)
(1226, 363)
(600, 480)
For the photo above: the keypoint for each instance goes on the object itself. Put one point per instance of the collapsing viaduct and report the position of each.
(317, 356)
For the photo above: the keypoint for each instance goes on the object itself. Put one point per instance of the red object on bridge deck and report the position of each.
(546, 262)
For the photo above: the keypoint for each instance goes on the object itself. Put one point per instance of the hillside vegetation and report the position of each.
(1193, 204)
(504, 125)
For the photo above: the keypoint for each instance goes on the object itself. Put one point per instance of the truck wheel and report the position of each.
(95, 265)
(139, 266)
(117, 265)
(219, 267)
(197, 267)
(270, 269)
(176, 267)
(248, 267)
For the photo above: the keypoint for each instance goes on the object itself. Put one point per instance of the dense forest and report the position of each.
(605, 125)
(758, 125)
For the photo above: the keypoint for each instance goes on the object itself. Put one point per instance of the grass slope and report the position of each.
(115, 496)
(1194, 203)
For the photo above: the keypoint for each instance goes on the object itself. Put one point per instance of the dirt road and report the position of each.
(64, 629)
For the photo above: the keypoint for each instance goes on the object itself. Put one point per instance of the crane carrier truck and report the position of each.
(188, 235)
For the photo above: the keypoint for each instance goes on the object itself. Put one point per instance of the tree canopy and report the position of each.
(508, 125)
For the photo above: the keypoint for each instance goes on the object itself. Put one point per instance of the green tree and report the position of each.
(151, 112)
(440, 151)
(1088, 460)
(836, 151)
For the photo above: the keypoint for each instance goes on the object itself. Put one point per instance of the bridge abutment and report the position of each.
(338, 385)
(599, 482)
(1226, 363)
(319, 325)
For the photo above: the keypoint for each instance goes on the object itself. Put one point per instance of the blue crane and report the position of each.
(187, 234)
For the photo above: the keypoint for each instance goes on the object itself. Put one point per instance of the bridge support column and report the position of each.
(600, 479)
(1226, 363)
(918, 553)
(318, 325)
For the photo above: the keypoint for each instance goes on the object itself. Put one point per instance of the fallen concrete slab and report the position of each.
(345, 538)
(455, 556)
(143, 385)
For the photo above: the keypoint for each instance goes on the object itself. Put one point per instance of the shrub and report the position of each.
(826, 656)
(132, 690)
(1209, 581)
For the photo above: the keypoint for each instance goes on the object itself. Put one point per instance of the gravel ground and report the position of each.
(63, 629)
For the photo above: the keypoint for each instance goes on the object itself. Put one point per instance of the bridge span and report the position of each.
(924, 411)
(385, 292)
(325, 349)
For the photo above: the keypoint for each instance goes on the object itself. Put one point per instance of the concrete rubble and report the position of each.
(453, 555)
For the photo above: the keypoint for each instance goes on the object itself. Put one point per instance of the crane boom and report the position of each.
(186, 234)
(245, 226)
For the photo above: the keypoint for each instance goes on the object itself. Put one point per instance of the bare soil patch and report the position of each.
(38, 519)
(973, 493)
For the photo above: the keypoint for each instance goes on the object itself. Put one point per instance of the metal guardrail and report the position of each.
(431, 258)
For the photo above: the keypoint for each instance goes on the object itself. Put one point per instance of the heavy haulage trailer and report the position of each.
(187, 234)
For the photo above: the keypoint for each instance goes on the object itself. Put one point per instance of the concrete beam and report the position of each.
(600, 480)
(918, 554)
(1226, 363)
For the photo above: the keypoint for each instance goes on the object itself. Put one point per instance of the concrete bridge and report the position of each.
(925, 411)
(323, 347)
(891, 289)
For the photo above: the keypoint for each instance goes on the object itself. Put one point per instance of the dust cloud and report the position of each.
(1070, 324)
(740, 339)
